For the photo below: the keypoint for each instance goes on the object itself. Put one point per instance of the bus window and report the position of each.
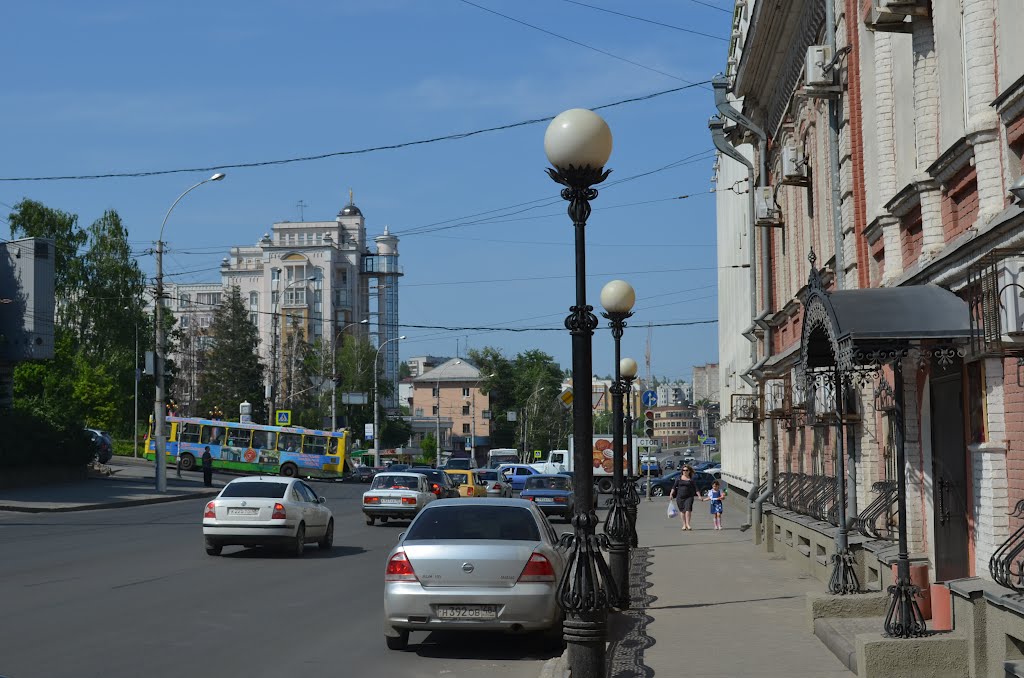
(189, 433)
(314, 444)
(337, 446)
(264, 440)
(212, 435)
(239, 437)
(289, 442)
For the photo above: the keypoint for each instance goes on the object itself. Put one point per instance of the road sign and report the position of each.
(709, 441)
(649, 398)
(646, 442)
(566, 398)
(354, 398)
(283, 418)
(510, 415)
(537, 454)
(368, 431)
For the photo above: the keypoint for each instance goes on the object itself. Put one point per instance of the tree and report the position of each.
(354, 370)
(429, 448)
(396, 433)
(233, 370)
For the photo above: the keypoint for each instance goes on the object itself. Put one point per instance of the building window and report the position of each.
(419, 411)
(254, 301)
(465, 393)
(435, 392)
(465, 410)
(433, 410)
(275, 274)
(466, 429)
(976, 402)
(184, 300)
(254, 318)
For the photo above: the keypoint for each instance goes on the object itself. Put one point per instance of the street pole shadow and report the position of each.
(627, 629)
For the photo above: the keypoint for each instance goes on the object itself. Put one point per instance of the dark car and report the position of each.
(395, 468)
(571, 476)
(363, 474)
(660, 487)
(102, 444)
(440, 482)
(552, 494)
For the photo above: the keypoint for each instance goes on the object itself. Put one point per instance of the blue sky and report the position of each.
(103, 87)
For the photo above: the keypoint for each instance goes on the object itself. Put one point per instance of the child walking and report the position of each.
(715, 495)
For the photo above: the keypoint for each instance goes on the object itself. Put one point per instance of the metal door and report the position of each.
(949, 474)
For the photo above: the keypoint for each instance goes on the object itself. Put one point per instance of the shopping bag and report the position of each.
(672, 510)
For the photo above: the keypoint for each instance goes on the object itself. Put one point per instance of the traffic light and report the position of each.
(649, 423)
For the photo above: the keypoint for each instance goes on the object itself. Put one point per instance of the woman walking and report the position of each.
(683, 491)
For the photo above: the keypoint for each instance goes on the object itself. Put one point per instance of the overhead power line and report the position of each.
(648, 21)
(334, 154)
(581, 44)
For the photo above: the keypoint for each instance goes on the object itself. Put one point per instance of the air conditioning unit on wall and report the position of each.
(794, 165)
(765, 211)
(1011, 299)
(815, 75)
(890, 16)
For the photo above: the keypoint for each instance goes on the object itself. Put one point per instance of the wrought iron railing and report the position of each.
(882, 508)
(1007, 563)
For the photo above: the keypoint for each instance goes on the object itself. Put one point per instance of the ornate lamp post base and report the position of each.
(904, 619)
(844, 575)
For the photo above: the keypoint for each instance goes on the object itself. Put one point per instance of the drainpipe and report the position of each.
(833, 151)
(717, 127)
(720, 84)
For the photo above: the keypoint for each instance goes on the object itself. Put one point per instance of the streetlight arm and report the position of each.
(171, 209)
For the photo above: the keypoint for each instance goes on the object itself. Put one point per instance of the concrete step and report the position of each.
(839, 634)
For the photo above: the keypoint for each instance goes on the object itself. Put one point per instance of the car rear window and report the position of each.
(547, 484)
(487, 475)
(386, 482)
(249, 489)
(505, 523)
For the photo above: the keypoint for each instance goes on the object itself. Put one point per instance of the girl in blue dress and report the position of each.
(715, 495)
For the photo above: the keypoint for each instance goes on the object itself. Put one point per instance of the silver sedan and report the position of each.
(473, 565)
(267, 511)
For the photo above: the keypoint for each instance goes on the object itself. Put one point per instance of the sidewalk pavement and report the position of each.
(132, 484)
(707, 603)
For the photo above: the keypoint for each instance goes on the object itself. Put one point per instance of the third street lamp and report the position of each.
(618, 298)
(627, 368)
(578, 143)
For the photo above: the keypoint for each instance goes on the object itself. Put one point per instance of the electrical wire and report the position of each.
(580, 44)
(648, 21)
(334, 154)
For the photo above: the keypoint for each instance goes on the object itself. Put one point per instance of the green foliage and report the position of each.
(396, 433)
(429, 448)
(37, 441)
(233, 372)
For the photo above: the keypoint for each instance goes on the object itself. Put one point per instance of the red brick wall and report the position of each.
(857, 142)
(960, 203)
(1013, 401)
(911, 236)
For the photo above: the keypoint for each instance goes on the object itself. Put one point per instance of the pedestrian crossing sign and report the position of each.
(284, 418)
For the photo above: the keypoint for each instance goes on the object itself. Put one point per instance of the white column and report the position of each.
(989, 473)
(926, 129)
(982, 120)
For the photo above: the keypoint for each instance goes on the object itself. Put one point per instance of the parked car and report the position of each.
(267, 511)
(396, 496)
(651, 464)
(496, 485)
(468, 482)
(102, 443)
(516, 474)
(660, 487)
(363, 474)
(571, 476)
(553, 495)
(440, 482)
(473, 565)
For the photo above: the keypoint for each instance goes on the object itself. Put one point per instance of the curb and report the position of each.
(556, 667)
(108, 505)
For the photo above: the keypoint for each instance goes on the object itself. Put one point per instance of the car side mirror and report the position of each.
(401, 536)
(321, 500)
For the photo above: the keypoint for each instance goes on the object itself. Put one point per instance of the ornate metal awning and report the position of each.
(862, 329)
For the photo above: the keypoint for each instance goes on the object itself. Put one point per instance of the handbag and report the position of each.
(672, 510)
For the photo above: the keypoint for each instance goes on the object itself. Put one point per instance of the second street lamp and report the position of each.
(578, 143)
(627, 369)
(618, 298)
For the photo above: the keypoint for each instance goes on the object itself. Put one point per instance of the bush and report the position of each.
(32, 440)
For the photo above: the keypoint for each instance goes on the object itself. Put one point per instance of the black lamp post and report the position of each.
(618, 298)
(578, 143)
(627, 370)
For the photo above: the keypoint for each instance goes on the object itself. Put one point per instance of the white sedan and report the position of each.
(398, 496)
(267, 511)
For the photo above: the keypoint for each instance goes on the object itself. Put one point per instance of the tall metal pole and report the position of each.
(334, 369)
(158, 367)
(632, 496)
(616, 524)
(587, 588)
(376, 408)
(904, 618)
(135, 425)
(844, 574)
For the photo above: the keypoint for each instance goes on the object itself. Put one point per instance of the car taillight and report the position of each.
(279, 512)
(436, 489)
(497, 486)
(538, 568)
(210, 512)
(371, 500)
(409, 500)
(560, 500)
(530, 498)
(399, 569)
(469, 491)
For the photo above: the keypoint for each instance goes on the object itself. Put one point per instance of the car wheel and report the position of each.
(328, 539)
(657, 491)
(186, 462)
(370, 520)
(289, 470)
(213, 549)
(383, 519)
(299, 544)
(399, 642)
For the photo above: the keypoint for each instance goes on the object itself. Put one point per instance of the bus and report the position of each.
(253, 448)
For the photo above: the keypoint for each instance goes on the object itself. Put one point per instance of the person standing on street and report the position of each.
(207, 467)
(715, 497)
(683, 491)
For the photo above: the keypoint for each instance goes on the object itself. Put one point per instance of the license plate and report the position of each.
(391, 500)
(467, 611)
(243, 511)
(545, 500)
